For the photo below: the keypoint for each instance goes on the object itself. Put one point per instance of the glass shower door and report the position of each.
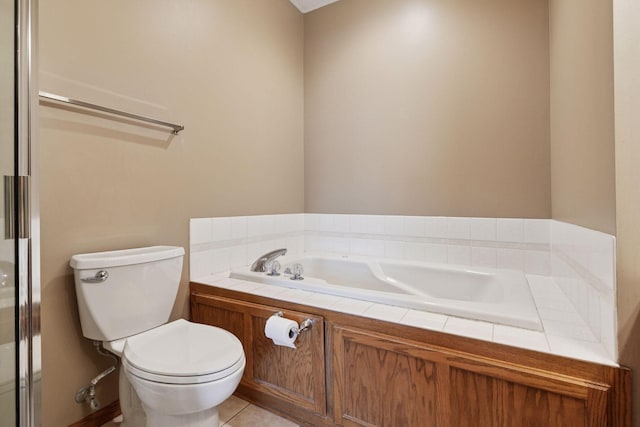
(8, 242)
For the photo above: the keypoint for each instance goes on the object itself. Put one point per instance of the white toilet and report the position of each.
(172, 374)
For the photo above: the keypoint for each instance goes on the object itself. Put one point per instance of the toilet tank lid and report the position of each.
(124, 257)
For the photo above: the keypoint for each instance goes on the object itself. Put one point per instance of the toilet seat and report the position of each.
(182, 352)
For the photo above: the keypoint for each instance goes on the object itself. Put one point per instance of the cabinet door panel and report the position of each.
(527, 406)
(385, 381)
(384, 388)
(289, 370)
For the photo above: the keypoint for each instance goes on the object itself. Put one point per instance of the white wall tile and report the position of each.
(341, 223)
(199, 265)
(608, 328)
(436, 227)
(459, 255)
(435, 253)
(366, 247)
(311, 222)
(414, 251)
(340, 245)
(458, 228)
(393, 249)
(254, 251)
(375, 248)
(254, 226)
(268, 224)
(393, 225)
(510, 230)
(239, 227)
(295, 245)
(325, 222)
(221, 229)
(413, 226)
(238, 256)
(537, 231)
(483, 229)
(358, 246)
(375, 224)
(298, 222)
(200, 231)
(221, 260)
(484, 257)
(358, 224)
(593, 313)
(510, 259)
(283, 223)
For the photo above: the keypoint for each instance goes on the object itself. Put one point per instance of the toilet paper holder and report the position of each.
(305, 325)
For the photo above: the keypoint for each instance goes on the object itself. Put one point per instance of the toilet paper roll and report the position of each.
(281, 331)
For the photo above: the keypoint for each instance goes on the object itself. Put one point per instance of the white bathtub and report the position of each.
(497, 296)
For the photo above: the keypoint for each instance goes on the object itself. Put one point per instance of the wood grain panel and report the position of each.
(290, 369)
(385, 388)
(527, 406)
(473, 399)
(381, 373)
(230, 320)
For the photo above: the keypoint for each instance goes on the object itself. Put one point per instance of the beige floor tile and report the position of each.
(252, 416)
(230, 408)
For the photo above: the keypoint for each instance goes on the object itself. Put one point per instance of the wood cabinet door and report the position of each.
(385, 381)
(294, 375)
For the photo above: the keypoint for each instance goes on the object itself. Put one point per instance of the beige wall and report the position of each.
(582, 114)
(231, 71)
(427, 107)
(627, 106)
(410, 107)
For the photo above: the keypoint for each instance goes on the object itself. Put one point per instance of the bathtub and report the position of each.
(498, 296)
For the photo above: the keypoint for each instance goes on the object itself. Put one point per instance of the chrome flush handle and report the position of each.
(100, 277)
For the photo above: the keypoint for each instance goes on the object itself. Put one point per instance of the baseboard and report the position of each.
(100, 417)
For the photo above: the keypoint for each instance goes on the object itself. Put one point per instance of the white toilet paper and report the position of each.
(281, 331)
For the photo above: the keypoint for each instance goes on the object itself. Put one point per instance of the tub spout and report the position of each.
(261, 263)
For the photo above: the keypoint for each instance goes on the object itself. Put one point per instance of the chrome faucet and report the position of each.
(261, 263)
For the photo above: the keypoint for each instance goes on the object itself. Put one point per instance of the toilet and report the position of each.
(172, 374)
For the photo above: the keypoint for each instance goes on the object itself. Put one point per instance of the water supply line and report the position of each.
(88, 393)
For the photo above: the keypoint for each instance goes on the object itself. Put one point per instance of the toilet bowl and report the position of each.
(180, 372)
(172, 374)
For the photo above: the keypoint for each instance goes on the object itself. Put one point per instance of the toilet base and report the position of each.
(135, 414)
(184, 405)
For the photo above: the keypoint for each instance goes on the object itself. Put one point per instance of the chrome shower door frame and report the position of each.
(28, 254)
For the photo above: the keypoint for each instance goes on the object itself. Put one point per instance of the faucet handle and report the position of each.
(297, 270)
(273, 268)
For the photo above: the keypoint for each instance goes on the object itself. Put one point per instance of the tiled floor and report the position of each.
(235, 412)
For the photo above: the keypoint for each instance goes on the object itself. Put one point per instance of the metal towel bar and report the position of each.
(58, 98)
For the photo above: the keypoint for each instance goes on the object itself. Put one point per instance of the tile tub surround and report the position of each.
(583, 266)
(580, 261)
(220, 244)
(515, 244)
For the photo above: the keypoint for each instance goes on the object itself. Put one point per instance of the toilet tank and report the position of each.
(137, 295)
